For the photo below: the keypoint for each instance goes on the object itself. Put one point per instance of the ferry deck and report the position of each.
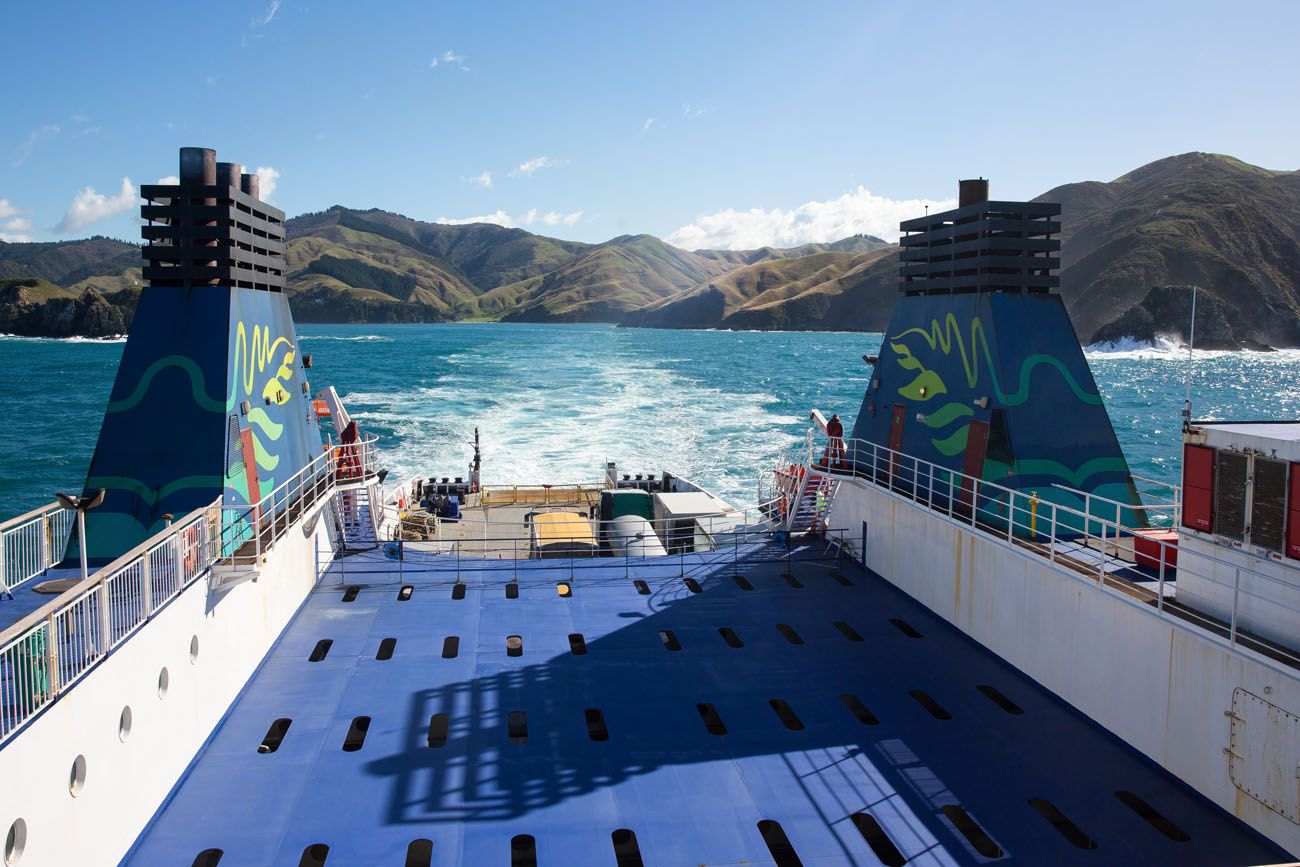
(764, 707)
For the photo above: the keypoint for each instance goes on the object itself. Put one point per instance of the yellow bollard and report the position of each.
(1033, 513)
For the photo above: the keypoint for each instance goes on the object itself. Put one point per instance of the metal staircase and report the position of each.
(357, 521)
(811, 503)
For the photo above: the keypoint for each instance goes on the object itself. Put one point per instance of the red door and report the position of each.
(896, 422)
(977, 440)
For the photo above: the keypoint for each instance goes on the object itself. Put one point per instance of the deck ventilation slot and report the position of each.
(860, 710)
(904, 627)
(517, 727)
(712, 721)
(778, 844)
(787, 715)
(1060, 822)
(512, 590)
(979, 839)
(789, 633)
(730, 636)
(458, 591)
(847, 631)
(450, 646)
(321, 650)
(596, 728)
(314, 855)
(208, 857)
(514, 645)
(692, 585)
(742, 582)
(577, 644)
(386, 648)
(419, 853)
(350, 595)
(523, 851)
(792, 580)
(626, 851)
(641, 587)
(439, 723)
(878, 840)
(356, 734)
(936, 710)
(669, 639)
(274, 736)
(995, 695)
(1153, 816)
(564, 590)
(404, 594)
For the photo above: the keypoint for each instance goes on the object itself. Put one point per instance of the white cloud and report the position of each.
(270, 11)
(530, 217)
(449, 58)
(856, 212)
(527, 168)
(267, 179)
(484, 180)
(89, 207)
(690, 112)
(169, 180)
(35, 137)
(15, 230)
(649, 122)
(7, 209)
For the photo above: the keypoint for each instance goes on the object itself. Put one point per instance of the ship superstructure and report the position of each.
(341, 668)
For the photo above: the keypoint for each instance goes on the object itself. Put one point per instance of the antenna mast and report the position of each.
(1191, 341)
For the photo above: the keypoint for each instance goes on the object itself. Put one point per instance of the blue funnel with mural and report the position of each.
(210, 401)
(981, 371)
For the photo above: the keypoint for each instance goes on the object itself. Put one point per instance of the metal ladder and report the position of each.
(356, 519)
(812, 503)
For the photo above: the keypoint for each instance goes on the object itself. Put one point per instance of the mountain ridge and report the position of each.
(1210, 220)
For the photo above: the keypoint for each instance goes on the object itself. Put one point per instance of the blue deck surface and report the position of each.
(690, 797)
(26, 599)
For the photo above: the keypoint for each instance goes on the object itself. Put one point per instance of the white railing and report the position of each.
(1091, 545)
(30, 544)
(47, 652)
(248, 531)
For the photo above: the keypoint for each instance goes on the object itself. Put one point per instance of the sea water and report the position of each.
(555, 402)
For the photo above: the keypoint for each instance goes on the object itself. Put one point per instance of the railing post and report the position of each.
(1051, 539)
(146, 586)
(51, 658)
(4, 581)
(1160, 598)
(1011, 516)
(1236, 589)
(46, 532)
(105, 620)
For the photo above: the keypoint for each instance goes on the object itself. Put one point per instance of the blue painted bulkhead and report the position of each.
(1008, 368)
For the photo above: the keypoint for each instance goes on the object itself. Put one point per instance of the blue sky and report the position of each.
(711, 124)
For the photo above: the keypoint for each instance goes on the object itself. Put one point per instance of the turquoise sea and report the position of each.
(556, 401)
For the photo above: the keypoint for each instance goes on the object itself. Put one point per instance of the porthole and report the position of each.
(15, 842)
(77, 777)
(164, 681)
(124, 724)
(194, 649)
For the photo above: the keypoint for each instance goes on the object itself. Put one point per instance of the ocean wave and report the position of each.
(116, 338)
(1168, 349)
(343, 337)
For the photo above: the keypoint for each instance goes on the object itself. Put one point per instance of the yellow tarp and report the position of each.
(567, 527)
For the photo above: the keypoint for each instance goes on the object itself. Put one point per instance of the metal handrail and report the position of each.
(47, 652)
(31, 543)
(1062, 534)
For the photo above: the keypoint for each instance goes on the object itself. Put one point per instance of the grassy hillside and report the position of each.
(1209, 220)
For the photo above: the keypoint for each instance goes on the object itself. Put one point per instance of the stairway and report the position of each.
(357, 522)
(813, 503)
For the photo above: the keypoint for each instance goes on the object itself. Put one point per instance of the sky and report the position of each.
(710, 124)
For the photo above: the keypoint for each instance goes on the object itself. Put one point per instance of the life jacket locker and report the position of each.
(1198, 487)
(1293, 513)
